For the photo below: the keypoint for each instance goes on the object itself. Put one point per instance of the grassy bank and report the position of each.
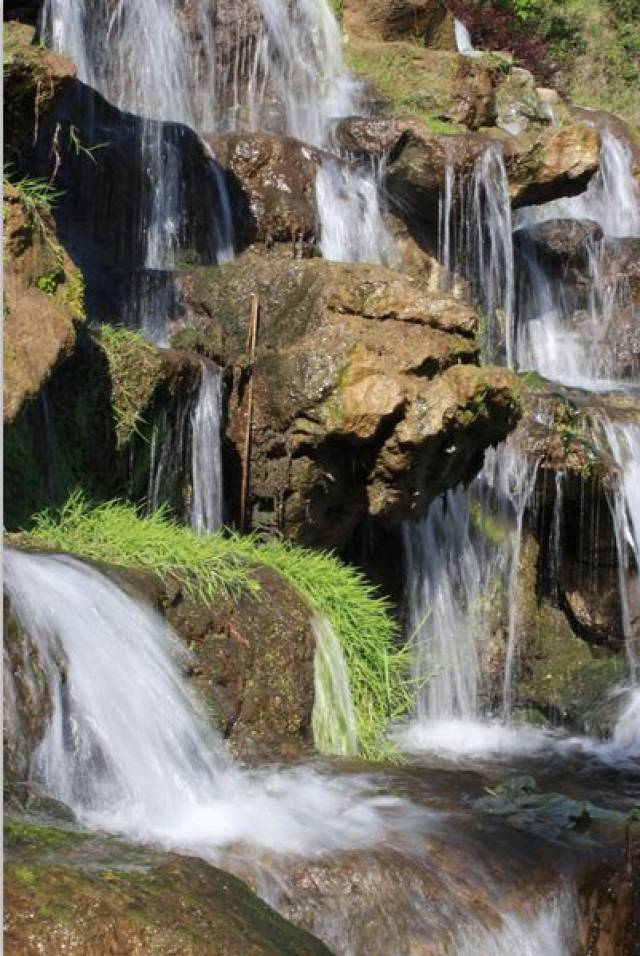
(118, 534)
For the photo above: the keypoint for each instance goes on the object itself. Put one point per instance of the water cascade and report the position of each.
(334, 721)
(462, 561)
(206, 455)
(564, 331)
(112, 664)
(464, 45)
(475, 242)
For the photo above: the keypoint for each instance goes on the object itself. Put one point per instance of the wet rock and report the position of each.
(358, 390)
(561, 241)
(517, 103)
(252, 663)
(26, 706)
(70, 891)
(610, 902)
(271, 185)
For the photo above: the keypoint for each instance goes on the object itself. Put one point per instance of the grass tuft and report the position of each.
(205, 566)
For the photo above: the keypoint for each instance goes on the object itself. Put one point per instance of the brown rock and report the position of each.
(271, 182)
(559, 163)
(348, 375)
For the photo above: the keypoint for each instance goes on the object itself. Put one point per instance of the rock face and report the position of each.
(43, 299)
(366, 396)
(70, 891)
(92, 426)
(271, 185)
(252, 663)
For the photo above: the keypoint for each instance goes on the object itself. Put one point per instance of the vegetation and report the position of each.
(205, 566)
(589, 48)
(133, 368)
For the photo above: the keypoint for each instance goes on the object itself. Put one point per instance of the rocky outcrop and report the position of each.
(552, 164)
(71, 891)
(359, 390)
(397, 19)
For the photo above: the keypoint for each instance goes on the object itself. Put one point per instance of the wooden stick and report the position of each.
(252, 342)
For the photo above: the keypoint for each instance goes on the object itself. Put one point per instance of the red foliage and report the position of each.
(497, 28)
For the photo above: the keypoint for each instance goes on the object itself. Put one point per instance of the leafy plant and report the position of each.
(204, 566)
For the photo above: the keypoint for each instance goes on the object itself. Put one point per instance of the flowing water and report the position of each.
(128, 750)
(334, 719)
(475, 242)
(207, 503)
(463, 39)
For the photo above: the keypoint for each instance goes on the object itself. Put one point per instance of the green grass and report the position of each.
(206, 566)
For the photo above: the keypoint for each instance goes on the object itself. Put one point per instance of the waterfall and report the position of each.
(562, 330)
(612, 198)
(351, 225)
(206, 453)
(462, 564)
(464, 45)
(478, 245)
(623, 440)
(138, 55)
(334, 721)
(128, 749)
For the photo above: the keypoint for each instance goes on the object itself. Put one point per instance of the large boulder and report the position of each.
(72, 891)
(361, 384)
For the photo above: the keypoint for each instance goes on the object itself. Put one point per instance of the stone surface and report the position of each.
(559, 163)
(271, 184)
(74, 892)
(358, 390)
(43, 300)
(35, 80)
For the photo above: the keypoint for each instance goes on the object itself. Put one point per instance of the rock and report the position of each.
(35, 80)
(25, 705)
(552, 164)
(92, 426)
(517, 103)
(559, 163)
(252, 663)
(353, 400)
(43, 299)
(71, 891)
(271, 182)
(439, 87)
(396, 19)
(561, 241)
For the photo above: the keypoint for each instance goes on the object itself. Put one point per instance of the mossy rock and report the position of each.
(70, 891)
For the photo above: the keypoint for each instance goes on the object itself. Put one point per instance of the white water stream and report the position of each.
(128, 750)
(206, 453)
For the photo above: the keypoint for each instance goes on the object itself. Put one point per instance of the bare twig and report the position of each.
(246, 459)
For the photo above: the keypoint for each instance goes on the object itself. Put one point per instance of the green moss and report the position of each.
(32, 836)
(134, 366)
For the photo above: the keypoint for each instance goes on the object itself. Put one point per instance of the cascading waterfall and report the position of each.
(474, 239)
(623, 440)
(462, 564)
(562, 331)
(464, 45)
(126, 746)
(206, 455)
(334, 721)
(351, 225)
